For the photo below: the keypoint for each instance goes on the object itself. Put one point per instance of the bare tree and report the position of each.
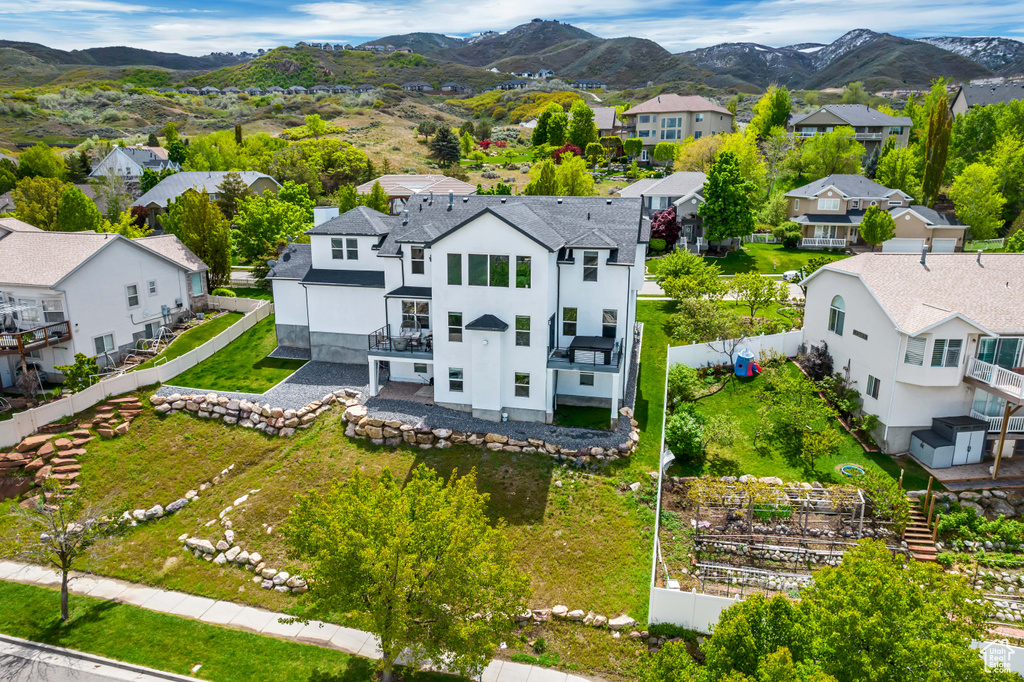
(60, 528)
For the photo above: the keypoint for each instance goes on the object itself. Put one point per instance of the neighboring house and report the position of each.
(404, 50)
(545, 73)
(524, 74)
(870, 127)
(296, 90)
(166, 91)
(98, 294)
(189, 90)
(587, 84)
(196, 271)
(830, 210)
(365, 87)
(231, 90)
(6, 203)
(925, 336)
(209, 90)
(970, 96)
(253, 92)
(129, 162)
(607, 121)
(685, 191)
(513, 84)
(417, 86)
(275, 90)
(341, 89)
(400, 188)
(319, 88)
(672, 118)
(506, 305)
(454, 87)
(172, 187)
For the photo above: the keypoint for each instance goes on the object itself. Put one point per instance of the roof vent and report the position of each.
(451, 200)
(608, 201)
(559, 199)
(405, 217)
(588, 215)
(979, 256)
(924, 255)
(503, 199)
(430, 202)
(465, 200)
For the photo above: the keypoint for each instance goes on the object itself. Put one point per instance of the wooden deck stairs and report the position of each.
(921, 531)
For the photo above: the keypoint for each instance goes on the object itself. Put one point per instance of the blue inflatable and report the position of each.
(746, 365)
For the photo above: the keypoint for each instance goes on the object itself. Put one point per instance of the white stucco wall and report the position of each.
(345, 310)
(289, 302)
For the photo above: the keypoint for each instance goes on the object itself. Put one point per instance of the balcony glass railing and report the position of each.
(413, 342)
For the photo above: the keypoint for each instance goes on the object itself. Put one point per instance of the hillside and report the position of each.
(425, 44)
(521, 41)
(121, 56)
(1002, 55)
(306, 66)
(737, 63)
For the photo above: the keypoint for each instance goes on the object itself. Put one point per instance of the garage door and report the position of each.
(903, 246)
(946, 245)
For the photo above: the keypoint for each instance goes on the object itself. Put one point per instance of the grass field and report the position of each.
(764, 258)
(584, 417)
(243, 365)
(135, 635)
(650, 391)
(193, 338)
(252, 292)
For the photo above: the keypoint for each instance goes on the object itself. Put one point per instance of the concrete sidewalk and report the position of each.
(232, 615)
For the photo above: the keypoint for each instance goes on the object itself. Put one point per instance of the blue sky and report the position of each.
(199, 27)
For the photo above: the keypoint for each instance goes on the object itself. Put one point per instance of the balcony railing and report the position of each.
(413, 344)
(585, 355)
(996, 377)
(995, 423)
(822, 242)
(856, 136)
(28, 340)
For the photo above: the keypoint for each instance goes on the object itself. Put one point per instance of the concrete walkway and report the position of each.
(232, 615)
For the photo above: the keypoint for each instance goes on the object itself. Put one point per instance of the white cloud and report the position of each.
(34, 7)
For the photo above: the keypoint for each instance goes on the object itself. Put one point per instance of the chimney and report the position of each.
(979, 256)
(924, 255)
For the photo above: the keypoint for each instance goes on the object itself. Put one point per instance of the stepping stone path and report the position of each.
(46, 456)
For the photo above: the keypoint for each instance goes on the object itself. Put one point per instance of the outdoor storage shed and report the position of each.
(951, 441)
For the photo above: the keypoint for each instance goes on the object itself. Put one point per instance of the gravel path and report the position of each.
(289, 353)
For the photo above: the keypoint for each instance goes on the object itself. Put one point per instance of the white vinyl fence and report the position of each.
(691, 610)
(714, 353)
(26, 423)
(760, 238)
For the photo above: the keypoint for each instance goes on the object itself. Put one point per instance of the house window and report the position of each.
(609, 323)
(698, 118)
(338, 249)
(132, 291)
(30, 311)
(522, 330)
(896, 203)
(499, 271)
(796, 204)
(197, 283)
(477, 270)
(151, 287)
(352, 248)
(915, 351)
(825, 231)
(828, 204)
(455, 379)
(946, 352)
(896, 130)
(53, 310)
(860, 334)
(417, 313)
(523, 272)
(419, 368)
(568, 321)
(873, 384)
(455, 327)
(697, 134)
(522, 385)
(644, 133)
(644, 119)
(837, 315)
(104, 344)
(669, 134)
(590, 266)
(855, 203)
(418, 259)
(586, 378)
(454, 268)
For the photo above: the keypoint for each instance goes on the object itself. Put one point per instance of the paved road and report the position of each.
(24, 661)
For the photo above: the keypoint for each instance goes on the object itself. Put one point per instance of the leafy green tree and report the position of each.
(467, 127)
(290, 165)
(854, 93)
(231, 190)
(877, 226)
(770, 112)
(466, 142)
(751, 162)
(41, 161)
(936, 149)
(77, 212)
(633, 146)
(151, 141)
(445, 147)
(316, 126)
(128, 226)
(671, 663)
(612, 145)
(751, 630)
(377, 199)
(115, 194)
(1015, 242)
(791, 417)
(540, 132)
(665, 152)
(201, 227)
(400, 555)
(558, 126)
(978, 203)
(78, 167)
(1007, 158)
(831, 153)
(727, 210)
(170, 134)
(297, 195)
(685, 275)
(758, 291)
(898, 169)
(574, 180)
(699, 320)
(36, 200)
(78, 376)
(543, 180)
(482, 130)
(582, 129)
(776, 148)
(264, 220)
(975, 133)
(426, 129)
(347, 198)
(594, 153)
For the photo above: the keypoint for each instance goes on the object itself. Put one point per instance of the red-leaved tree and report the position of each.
(664, 226)
(566, 149)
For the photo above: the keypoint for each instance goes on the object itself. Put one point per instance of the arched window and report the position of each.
(837, 315)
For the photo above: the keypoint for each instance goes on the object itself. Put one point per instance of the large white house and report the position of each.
(63, 293)
(129, 162)
(925, 336)
(507, 305)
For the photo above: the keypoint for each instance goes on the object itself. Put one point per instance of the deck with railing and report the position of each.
(28, 340)
(822, 242)
(995, 423)
(585, 354)
(418, 345)
(1005, 381)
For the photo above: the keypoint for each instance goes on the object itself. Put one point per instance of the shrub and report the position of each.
(887, 498)
(78, 376)
(657, 245)
(684, 433)
(817, 362)
(684, 385)
(224, 292)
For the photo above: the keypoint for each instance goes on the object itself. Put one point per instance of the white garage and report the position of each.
(903, 246)
(943, 244)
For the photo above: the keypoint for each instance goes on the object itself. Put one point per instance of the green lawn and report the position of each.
(650, 391)
(739, 401)
(252, 292)
(193, 338)
(156, 640)
(584, 417)
(974, 246)
(243, 365)
(763, 258)
(772, 312)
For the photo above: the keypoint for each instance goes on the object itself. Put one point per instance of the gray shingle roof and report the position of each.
(605, 118)
(406, 291)
(858, 115)
(15, 225)
(678, 184)
(169, 246)
(361, 220)
(854, 186)
(487, 323)
(293, 263)
(933, 217)
(982, 95)
(370, 279)
(851, 218)
(175, 185)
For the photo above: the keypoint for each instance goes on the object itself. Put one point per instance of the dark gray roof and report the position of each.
(487, 323)
(930, 215)
(857, 115)
(145, 157)
(293, 263)
(406, 291)
(855, 186)
(851, 218)
(982, 95)
(370, 279)
(554, 222)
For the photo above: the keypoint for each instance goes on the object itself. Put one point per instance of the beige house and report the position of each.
(170, 188)
(871, 127)
(830, 210)
(970, 96)
(673, 118)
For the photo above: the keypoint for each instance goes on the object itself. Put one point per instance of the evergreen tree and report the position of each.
(540, 132)
(176, 151)
(77, 212)
(238, 135)
(231, 191)
(347, 198)
(940, 125)
(445, 148)
(79, 167)
(543, 180)
(152, 141)
(871, 167)
(582, 129)
(377, 199)
(727, 210)
(557, 126)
